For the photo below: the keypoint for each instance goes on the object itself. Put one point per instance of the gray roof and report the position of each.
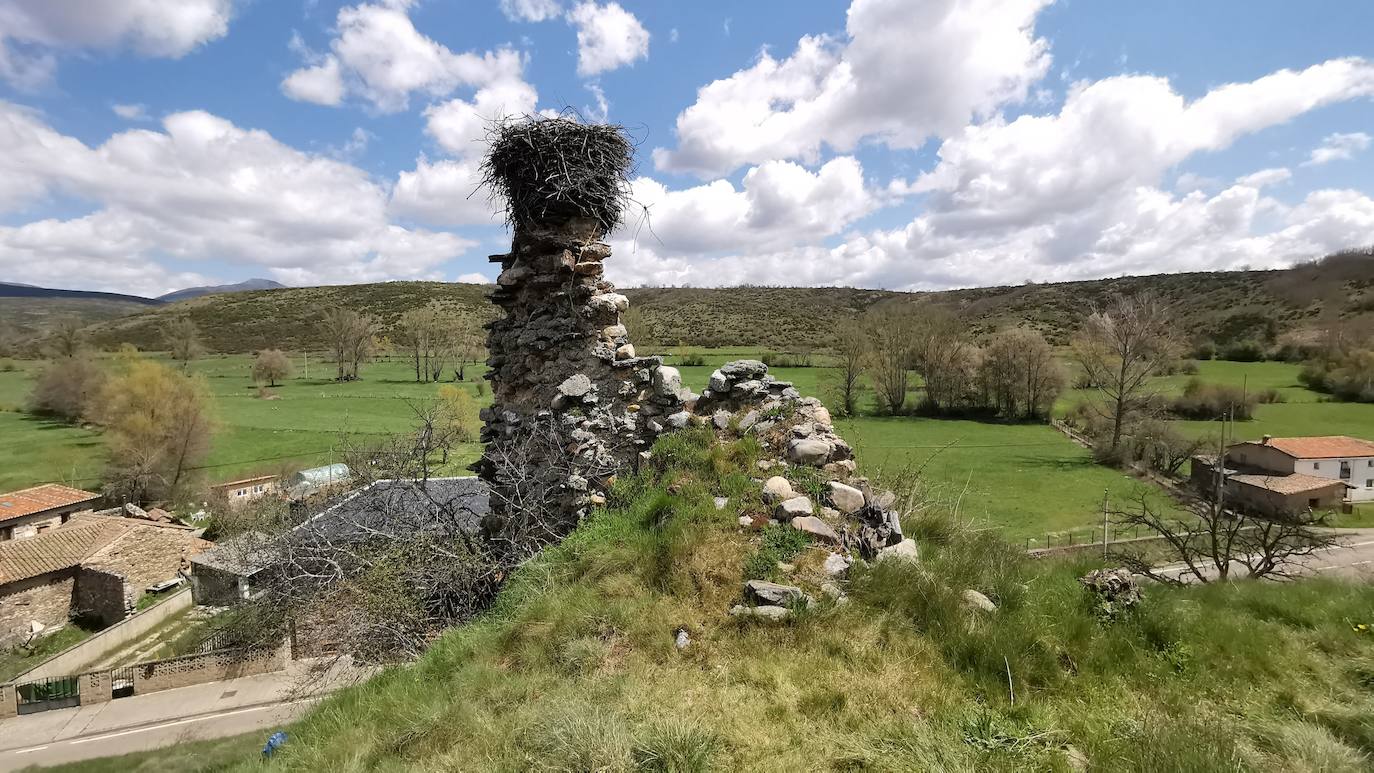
(441, 507)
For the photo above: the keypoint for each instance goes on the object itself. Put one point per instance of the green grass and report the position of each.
(208, 756)
(575, 669)
(16, 661)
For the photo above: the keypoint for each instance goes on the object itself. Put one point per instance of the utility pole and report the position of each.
(1104, 522)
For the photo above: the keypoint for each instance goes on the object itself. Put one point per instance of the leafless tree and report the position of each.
(946, 359)
(1020, 375)
(66, 338)
(1214, 540)
(851, 344)
(891, 332)
(351, 337)
(67, 388)
(182, 339)
(1119, 348)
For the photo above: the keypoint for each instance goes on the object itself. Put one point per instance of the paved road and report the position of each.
(141, 722)
(1353, 558)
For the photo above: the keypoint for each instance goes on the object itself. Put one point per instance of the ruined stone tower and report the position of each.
(573, 405)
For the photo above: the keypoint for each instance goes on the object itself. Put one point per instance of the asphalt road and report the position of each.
(1353, 558)
(167, 733)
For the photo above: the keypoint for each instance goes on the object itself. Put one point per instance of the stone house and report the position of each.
(93, 566)
(1278, 476)
(241, 492)
(33, 511)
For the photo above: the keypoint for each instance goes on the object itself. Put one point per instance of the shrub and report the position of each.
(1206, 350)
(1203, 400)
(780, 360)
(1244, 351)
(67, 388)
(694, 360)
(1270, 396)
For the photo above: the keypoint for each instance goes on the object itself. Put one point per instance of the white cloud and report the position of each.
(780, 204)
(1338, 147)
(530, 10)
(321, 84)
(608, 37)
(378, 55)
(200, 188)
(904, 73)
(31, 31)
(473, 278)
(443, 193)
(131, 112)
(460, 126)
(1265, 177)
(1064, 196)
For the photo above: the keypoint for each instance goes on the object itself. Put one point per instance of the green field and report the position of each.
(1022, 479)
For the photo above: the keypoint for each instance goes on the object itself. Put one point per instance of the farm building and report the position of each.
(33, 511)
(308, 483)
(1284, 475)
(241, 492)
(94, 566)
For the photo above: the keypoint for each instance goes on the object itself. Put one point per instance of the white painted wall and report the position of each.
(1361, 474)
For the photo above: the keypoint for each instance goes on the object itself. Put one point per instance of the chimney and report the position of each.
(1265, 440)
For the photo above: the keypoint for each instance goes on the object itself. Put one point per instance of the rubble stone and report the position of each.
(846, 499)
(794, 507)
(776, 489)
(816, 528)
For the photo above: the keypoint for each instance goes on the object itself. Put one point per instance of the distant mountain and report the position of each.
(196, 292)
(16, 290)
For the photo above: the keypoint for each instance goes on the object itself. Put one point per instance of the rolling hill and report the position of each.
(1223, 306)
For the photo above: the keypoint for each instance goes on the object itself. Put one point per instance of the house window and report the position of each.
(1316, 465)
(1369, 483)
(1313, 503)
(1345, 470)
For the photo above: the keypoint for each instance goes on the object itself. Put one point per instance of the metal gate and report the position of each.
(122, 682)
(58, 692)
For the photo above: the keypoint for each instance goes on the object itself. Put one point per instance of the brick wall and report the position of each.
(46, 598)
(101, 596)
(207, 667)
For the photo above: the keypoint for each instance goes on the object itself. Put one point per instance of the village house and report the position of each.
(1276, 476)
(234, 569)
(33, 511)
(95, 567)
(241, 492)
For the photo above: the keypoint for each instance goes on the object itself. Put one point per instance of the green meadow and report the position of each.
(1023, 480)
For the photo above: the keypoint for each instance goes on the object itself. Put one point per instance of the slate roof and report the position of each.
(39, 499)
(437, 506)
(1325, 447)
(1287, 484)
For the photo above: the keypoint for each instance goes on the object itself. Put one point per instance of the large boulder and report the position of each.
(972, 599)
(743, 370)
(903, 551)
(796, 507)
(777, 489)
(764, 592)
(846, 499)
(810, 451)
(766, 613)
(816, 528)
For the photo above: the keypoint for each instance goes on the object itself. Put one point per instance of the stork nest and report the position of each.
(548, 170)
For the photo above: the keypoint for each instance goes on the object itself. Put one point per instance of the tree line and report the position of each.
(1014, 375)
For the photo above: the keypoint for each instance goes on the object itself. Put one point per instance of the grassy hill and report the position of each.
(575, 668)
(1222, 305)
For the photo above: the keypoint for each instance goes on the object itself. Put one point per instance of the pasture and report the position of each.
(1023, 480)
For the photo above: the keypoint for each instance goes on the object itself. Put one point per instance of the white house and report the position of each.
(1334, 457)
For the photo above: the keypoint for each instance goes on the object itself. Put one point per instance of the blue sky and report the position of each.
(910, 144)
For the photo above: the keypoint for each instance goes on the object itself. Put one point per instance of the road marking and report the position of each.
(30, 749)
(188, 721)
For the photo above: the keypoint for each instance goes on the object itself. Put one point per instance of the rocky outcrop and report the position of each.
(573, 405)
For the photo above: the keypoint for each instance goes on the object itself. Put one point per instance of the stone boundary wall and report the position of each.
(158, 675)
(82, 654)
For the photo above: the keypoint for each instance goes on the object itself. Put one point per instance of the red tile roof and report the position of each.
(1328, 447)
(38, 499)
